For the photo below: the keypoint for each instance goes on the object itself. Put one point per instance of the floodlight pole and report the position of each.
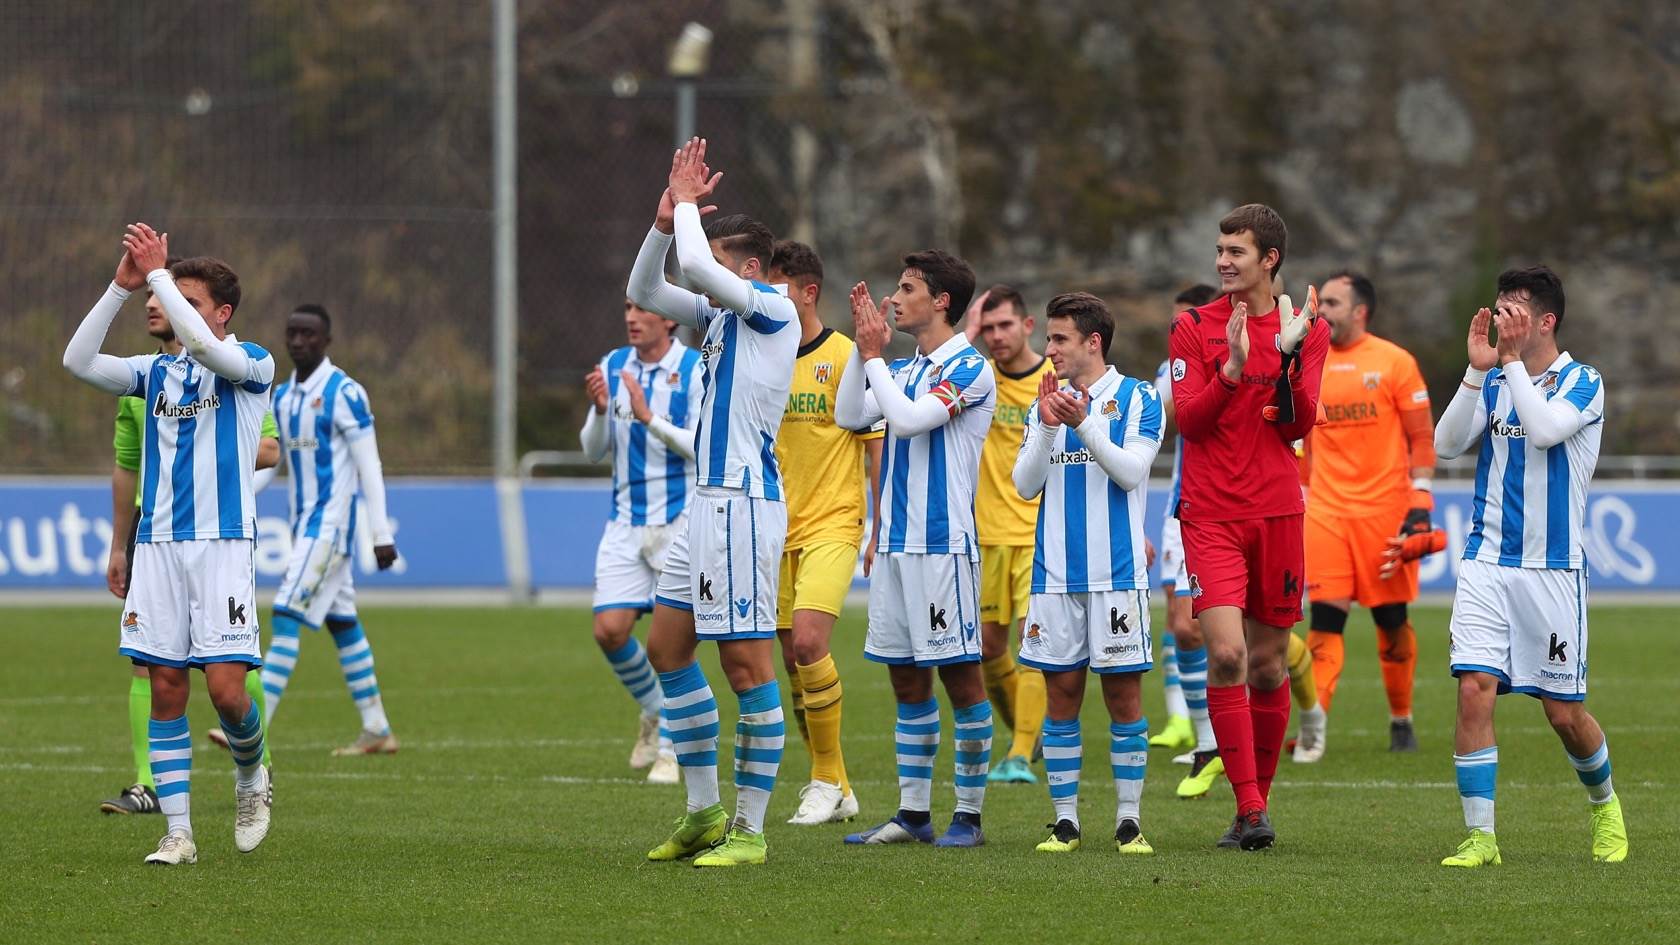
(505, 298)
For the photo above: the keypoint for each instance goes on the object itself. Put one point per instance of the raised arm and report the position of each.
(1466, 417)
(855, 406)
(648, 288)
(1198, 396)
(110, 374)
(694, 255)
(1306, 380)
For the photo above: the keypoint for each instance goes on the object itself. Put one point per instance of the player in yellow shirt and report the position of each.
(823, 471)
(1008, 526)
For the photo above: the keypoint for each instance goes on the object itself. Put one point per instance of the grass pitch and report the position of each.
(510, 814)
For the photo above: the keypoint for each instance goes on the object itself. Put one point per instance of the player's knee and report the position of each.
(809, 645)
(1328, 619)
(1226, 663)
(1477, 687)
(611, 635)
(1389, 617)
(994, 640)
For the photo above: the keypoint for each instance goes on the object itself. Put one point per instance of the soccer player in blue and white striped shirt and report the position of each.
(1519, 619)
(197, 531)
(645, 406)
(1088, 449)
(337, 485)
(938, 407)
(719, 581)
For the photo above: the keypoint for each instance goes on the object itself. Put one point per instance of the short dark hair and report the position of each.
(795, 260)
(1364, 293)
(319, 311)
(1089, 315)
(1267, 227)
(743, 236)
(946, 273)
(1544, 287)
(1002, 294)
(1196, 296)
(216, 276)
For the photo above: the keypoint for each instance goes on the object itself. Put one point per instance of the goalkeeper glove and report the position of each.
(1418, 536)
(1293, 326)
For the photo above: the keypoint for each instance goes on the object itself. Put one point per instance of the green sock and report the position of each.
(254, 689)
(139, 722)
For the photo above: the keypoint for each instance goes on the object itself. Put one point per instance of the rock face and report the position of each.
(1095, 144)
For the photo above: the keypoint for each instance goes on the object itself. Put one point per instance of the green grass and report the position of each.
(510, 815)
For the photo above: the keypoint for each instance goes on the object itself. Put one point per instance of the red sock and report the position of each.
(1270, 711)
(1233, 728)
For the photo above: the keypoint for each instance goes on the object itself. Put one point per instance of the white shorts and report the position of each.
(924, 610)
(1105, 630)
(724, 565)
(1169, 562)
(628, 561)
(191, 603)
(318, 584)
(1526, 626)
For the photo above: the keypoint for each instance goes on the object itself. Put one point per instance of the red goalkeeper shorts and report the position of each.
(1257, 564)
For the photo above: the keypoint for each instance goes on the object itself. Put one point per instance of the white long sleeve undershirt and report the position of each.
(649, 289)
(106, 372)
(905, 417)
(677, 439)
(694, 255)
(593, 438)
(1127, 464)
(1032, 464)
(855, 406)
(370, 473)
(1546, 423)
(223, 357)
(1463, 422)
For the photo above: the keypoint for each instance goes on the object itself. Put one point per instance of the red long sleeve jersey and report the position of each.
(1238, 465)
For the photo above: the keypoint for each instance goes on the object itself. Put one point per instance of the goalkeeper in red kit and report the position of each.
(1245, 373)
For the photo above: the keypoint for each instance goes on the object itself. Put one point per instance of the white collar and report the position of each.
(948, 350)
(317, 379)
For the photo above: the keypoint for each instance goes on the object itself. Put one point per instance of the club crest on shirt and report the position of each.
(823, 370)
(675, 379)
(315, 404)
(1111, 409)
(1548, 381)
(1372, 379)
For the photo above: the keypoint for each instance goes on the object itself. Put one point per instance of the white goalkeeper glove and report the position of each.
(1295, 325)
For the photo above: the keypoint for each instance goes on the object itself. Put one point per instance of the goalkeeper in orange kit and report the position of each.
(1370, 466)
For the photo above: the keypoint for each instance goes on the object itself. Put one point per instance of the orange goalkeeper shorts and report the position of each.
(1344, 556)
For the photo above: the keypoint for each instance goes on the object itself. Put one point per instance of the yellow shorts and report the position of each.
(815, 577)
(1005, 582)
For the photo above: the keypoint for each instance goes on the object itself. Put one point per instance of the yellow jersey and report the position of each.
(822, 463)
(1001, 515)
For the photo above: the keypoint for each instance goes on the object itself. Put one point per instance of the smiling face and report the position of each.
(1241, 266)
(1071, 353)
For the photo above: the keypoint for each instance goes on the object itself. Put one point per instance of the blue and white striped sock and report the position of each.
(1192, 677)
(245, 743)
(355, 657)
(1128, 754)
(170, 752)
(759, 737)
(1176, 706)
(691, 715)
(281, 660)
(917, 737)
(1478, 773)
(667, 749)
(631, 664)
(974, 755)
(1063, 756)
(1594, 772)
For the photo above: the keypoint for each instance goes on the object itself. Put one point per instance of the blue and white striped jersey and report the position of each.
(651, 482)
(200, 445)
(1529, 504)
(1090, 531)
(749, 371)
(928, 481)
(1163, 387)
(318, 417)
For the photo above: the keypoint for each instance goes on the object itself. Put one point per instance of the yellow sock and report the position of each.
(821, 682)
(1301, 681)
(1000, 686)
(798, 693)
(1031, 702)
